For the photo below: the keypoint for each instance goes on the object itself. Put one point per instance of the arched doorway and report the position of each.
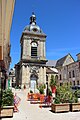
(33, 82)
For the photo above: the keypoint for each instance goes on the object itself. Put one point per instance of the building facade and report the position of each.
(6, 13)
(68, 70)
(31, 69)
(11, 78)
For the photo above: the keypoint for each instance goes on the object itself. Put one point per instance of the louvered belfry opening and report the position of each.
(33, 51)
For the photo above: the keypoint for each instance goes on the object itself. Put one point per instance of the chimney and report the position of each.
(78, 57)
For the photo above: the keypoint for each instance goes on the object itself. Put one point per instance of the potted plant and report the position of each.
(41, 88)
(75, 105)
(49, 92)
(48, 98)
(65, 100)
(7, 103)
(61, 102)
(53, 84)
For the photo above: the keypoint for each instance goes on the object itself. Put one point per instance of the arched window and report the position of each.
(33, 49)
(56, 77)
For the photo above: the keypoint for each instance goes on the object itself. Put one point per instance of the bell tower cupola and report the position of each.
(33, 42)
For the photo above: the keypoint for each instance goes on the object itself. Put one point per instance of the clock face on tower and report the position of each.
(34, 44)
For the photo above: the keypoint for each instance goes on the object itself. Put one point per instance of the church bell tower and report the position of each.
(32, 65)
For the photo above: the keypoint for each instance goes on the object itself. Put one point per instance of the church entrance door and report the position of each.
(33, 82)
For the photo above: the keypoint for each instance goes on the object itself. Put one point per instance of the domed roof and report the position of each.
(32, 27)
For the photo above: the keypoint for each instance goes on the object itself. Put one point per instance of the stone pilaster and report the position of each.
(23, 54)
(27, 76)
(41, 50)
(44, 76)
(44, 51)
(41, 75)
(29, 43)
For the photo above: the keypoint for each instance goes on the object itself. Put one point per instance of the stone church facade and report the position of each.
(34, 69)
(31, 70)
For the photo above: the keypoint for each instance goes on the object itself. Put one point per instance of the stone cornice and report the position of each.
(35, 34)
(31, 35)
(34, 61)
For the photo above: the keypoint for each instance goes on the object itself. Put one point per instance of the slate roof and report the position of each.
(50, 71)
(51, 63)
(61, 61)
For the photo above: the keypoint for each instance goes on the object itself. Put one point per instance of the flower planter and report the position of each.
(7, 111)
(75, 107)
(53, 88)
(42, 98)
(64, 107)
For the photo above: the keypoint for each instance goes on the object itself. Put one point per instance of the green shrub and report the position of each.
(57, 100)
(41, 88)
(77, 93)
(49, 92)
(65, 95)
(7, 98)
(52, 81)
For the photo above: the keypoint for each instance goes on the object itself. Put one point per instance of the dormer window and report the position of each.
(34, 49)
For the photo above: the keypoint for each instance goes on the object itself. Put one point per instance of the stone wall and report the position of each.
(69, 69)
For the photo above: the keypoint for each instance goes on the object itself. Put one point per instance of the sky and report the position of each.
(59, 20)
